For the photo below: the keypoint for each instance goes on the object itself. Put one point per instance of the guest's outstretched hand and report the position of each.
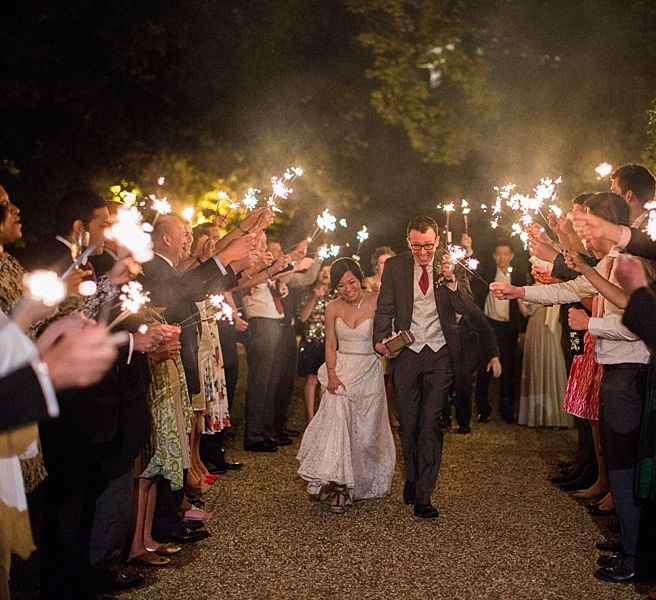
(578, 319)
(575, 262)
(588, 226)
(505, 291)
(630, 273)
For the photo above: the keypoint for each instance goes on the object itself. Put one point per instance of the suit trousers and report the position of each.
(622, 396)
(506, 335)
(285, 391)
(421, 384)
(228, 338)
(264, 364)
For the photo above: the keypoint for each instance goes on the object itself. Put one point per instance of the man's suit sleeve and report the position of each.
(561, 271)
(641, 244)
(486, 336)
(385, 307)
(641, 303)
(22, 399)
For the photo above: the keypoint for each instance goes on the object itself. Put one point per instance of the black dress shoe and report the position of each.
(565, 464)
(280, 441)
(609, 560)
(291, 433)
(192, 525)
(213, 469)
(425, 511)
(623, 570)
(115, 581)
(613, 547)
(233, 466)
(409, 493)
(464, 429)
(186, 536)
(262, 446)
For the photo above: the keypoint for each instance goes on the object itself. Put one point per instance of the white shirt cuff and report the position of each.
(219, 264)
(43, 376)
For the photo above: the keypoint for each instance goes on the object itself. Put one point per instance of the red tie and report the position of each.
(423, 280)
(276, 299)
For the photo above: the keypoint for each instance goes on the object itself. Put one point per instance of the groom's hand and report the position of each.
(381, 348)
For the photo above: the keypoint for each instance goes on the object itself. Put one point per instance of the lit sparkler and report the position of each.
(130, 231)
(45, 286)
(651, 220)
(188, 213)
(132, 298)
(325, 222)
(603, 169)
(223, 312)
(343, 223)
(161, 180)
(161, 206)
(250, 198)
(464, 205)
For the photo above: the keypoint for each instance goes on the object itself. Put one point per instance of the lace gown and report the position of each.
(349, 441)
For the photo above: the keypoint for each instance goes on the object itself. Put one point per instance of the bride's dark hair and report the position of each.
(344, 265)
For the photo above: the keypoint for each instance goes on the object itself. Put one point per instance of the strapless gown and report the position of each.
(349, 441)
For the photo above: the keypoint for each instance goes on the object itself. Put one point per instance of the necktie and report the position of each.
(423, 280)
(276, 299)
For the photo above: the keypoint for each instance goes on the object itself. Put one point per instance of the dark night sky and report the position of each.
(248, 88)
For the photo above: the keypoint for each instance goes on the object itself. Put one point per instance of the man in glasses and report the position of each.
(419, 293)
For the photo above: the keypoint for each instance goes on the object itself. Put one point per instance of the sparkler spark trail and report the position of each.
(160, 205)
(45, 287)
(223, 312)
(161, 180)
(188, 213)
(326, 221)
(280, 189)
(363, 234)
(133, 297)
(250, 198)
(130, 231)
(343, 223)
(603, 169)
(651, 220)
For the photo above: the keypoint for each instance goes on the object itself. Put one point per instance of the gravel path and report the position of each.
(503, 532)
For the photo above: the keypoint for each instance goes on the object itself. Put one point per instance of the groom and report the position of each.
(416, 294)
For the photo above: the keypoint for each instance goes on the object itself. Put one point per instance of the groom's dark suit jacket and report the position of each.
(395, 305)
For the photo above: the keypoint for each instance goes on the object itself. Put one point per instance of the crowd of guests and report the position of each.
(142, 409)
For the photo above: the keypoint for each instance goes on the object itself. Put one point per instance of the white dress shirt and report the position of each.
(615, 343)
(495, 309)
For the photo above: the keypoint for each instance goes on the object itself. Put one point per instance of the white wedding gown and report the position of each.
(349, 440)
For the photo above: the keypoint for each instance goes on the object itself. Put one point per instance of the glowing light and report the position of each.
(447, 208)
(651, 220)
(292, 173)
(87, 288)
(223, 310)
(130, 231)
(45, 287)
(129, 199)
(280, 189)
(464, 205)
(343, 223)
(326, 221)
(133, 297)
(188, 213)
(456, 253)
(556, 210)
(472, 263)
(142, 329)
(363, 234)
(250, 198)
(161, 180)
(161, 206)
(603, 169)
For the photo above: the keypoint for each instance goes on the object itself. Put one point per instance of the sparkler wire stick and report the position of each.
(82, 258)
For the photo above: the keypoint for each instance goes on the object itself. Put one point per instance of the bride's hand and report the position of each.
(333, 382)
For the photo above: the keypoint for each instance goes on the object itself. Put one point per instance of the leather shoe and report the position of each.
(608, 560)
(464, 429)
(291, 433)
(280, 441)
(623, 570)
(186, 536)
(233, 466)
(192, 525)
(565, 464)
(263, 446)
(612, 547)
(409, 493)
(595, 511)
(115, 581)
(425, 511)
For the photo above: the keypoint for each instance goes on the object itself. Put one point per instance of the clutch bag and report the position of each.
(401, 340)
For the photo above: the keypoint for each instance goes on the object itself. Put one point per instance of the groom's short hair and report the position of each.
(422, 224)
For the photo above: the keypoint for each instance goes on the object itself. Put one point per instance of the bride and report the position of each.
(349, 443)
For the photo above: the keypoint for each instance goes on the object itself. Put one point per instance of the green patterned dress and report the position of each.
(172, 417)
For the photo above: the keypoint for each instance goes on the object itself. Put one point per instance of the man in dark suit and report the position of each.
(412, 297)
(506, 321)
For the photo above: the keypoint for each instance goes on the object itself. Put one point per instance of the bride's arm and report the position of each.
(331, 347)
